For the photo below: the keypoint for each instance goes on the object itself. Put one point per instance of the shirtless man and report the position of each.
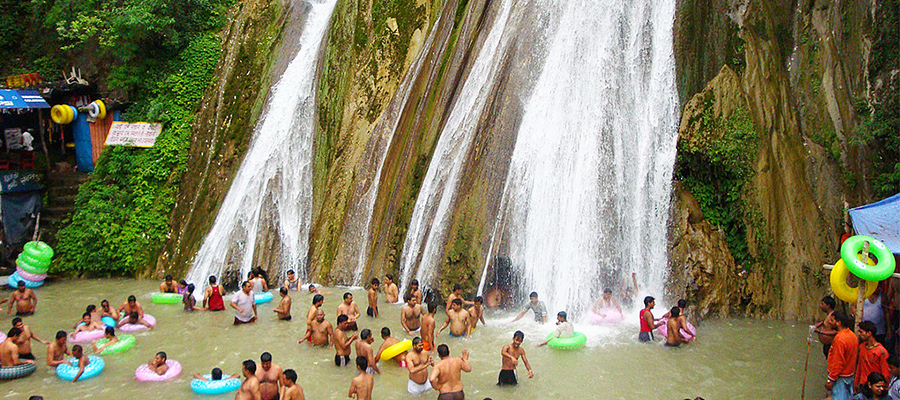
(57, 350)
(95, 312)
(476, 313)
(133, 319)
(290, 390)
(457, 294)
(414, 290)
(417, 362)
(317, 302)
(87, 324)
(269, 377)
(350, 309)
(320, 331)
(364, 349)
(674, 326)
(158, 363)
(24, 299)
(9, 350)
(391, 292)
(510, 360)
(131, 305)
(388, 342)
(605, 304)
(361, 386)
(83, 361)
(107, 311)
(372, 309)
(292, 282)
(411, 315)
(24, 342)
(314, 290)
(342, 342)
(445, 377)
(250, 387)
(110, 335)
(168, 285)
(428, 327)
(682, 308)
(825, 330)
(283, 311)
(457, 319)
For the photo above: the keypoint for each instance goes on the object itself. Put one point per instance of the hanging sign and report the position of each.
(136, 134)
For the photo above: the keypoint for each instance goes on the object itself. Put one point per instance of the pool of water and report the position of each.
(733, 358)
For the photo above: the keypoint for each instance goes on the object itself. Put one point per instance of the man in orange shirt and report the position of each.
(872, 355)
(842, 357)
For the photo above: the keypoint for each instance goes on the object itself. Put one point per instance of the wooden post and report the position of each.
(861, 297)
(41, 133)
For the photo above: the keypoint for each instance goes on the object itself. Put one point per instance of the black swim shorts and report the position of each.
(507, 377)
(341, 361)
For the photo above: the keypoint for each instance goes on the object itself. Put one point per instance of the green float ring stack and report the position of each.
(878, 272)
(35, 257)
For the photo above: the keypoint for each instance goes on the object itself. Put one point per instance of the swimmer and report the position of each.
(414, 290)
(131, 305)
(188, 300)
(24, 299)
(269, 377)
(457, 319)
(24, 342)
(446, 376)
(95, 312)
(292, 282)
(317, 302)
(212, 297)
(364, 349)
(133, 319)
(158, 363)
(509, 360)
(9, 350)
(107, 311)
(342, 342)
(110, 335)
(674, 326)
(87, 324)
(259, 285)
(629, 292)
(372, 309)
(388, 342)
(182, 286)
(168, 285)
(539, 308)
(361, 386)
(83, 360)
(320, 330)
(290, 390)
(283, 311)
(411, 315)
(648, 323)
(476, 313)
(314, 290)
(428, 325)
(215, 375)
(57, 350)
(391, 292)
(244, 305)
(249, 389)
(457, 294)
(682, 309)
(349, 308)
(417, 362)
(564, 328)
(606, 303)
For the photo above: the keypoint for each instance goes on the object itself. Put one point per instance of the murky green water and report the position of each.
(733, 359)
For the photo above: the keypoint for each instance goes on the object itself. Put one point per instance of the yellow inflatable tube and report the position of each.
(396, 349)
(839, 285)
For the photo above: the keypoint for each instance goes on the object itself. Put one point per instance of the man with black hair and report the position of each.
(417, 362)
(250, 387)
(269, 376)
(509, 360)
(244, 304)
(389, 341)
(824, 329)
(539, 308)
(872, 355)
(320, 331)
(446, 376)
(158, 363)
(361, 386)
(476, 313)
(290, 390)
(212, 296)
(349, 308)
(132, 305)
(9, 351)
(83, 361)
(283, 311)
(457, 319)
(410, 314)
(24, 300)
(57, 350)
(292, 282)
(842, 357)
(427, 329)
(391, 292)
(894, 385)
(25, 339)
(168, 285)
(674, 325)
(564, 328)
(648, 323)
(317, 302)
(457, 294)
(364, 349)
(342, 342)
(372, 309)
(215, 375)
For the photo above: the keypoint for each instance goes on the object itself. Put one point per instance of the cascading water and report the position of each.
(277, 170)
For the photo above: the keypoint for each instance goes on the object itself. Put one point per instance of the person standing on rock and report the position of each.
(842, 358)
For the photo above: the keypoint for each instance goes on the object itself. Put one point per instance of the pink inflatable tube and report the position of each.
(611, 317)
(664, 330)
(87, 336)
(29, 276)
(145, 374)
(138, 327)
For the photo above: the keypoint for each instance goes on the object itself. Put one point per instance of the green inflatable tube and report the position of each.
(166, 298)
(39, 250)
(575, 342)
(30, 268)
(125, 342)
(25, 258)
(878, 272)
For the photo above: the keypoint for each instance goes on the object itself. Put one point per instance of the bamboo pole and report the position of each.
(861, 289)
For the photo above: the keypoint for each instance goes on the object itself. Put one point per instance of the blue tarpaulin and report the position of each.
(880, 220)
(21, 99)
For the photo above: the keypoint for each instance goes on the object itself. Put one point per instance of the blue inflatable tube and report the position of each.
(108, 321)
(263, 297)
(68, 373)
(13, 281)
(215, 387)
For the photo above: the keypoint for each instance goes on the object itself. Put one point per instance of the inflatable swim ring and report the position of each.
(87, 336)
(97, 109)
(125, 342)
(138, 327)
(38, 249)
(878, 272)
(17, 371)
(25, 264)
(838, 279)
(58, 114)
(28, 276)
(68, 372)
(144, 374)
(14, 279)
(215, 387)
(108, 321)
(575, 342)
(664, 330)
(166, 298)
(37, 264)
(611, 317)
(396, 350)
(263, 297)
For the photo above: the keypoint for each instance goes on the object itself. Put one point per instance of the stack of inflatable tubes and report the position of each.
(32, 265)
(63, 114)
(97, 109)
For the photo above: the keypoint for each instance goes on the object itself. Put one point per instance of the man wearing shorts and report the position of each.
(244, 305)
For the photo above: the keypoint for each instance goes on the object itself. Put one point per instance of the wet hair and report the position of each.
(21, 284)
(682, 303)
(290, 272)
(251, 274)
(347, 295)
(212, 279)
(457, 302)
(311, 287)
(432, 307)
(362, 363)
(14, 332)
(829, 301)
(342, 318)
(87, 314)
(16, 320)
(163, 355)
(407, 297)
(607, 290)
(519, 335)
(183, 282)
(562, 314)
(417, 340)
(443, 350)
(216, 374)
(375, 281)
(250, 366)
(647, 300)
(318, 298)
(60, 334)
(104, 302)
(110, 331)
(868, 326)
(283, 290)
(168, 278)
(76, 347)
(533, 295)
(190, 288)
(674, 312)
(385, 332)
(132, 298)
(873, 378)
(265, 357)
(414, 282)
(134, 315)
(245, 284)
(479, 299)
(389, 276)
(365, 334)
(90, 308)
(894, 360)
(845, 320)
(36, 398)
(290, 375)
(457, 287)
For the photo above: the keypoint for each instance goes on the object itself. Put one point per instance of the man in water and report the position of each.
(24, 342)
(446, 376)
(57, 351)
(417, 362)
(629, 292)
(132, 305)
(317, 302)
(314, 290)
(682, 317)
(342, 342)
(9, 350)
(842, 357)
(292, 282)
(110, 335)
(388, 342)
(158, 363)
(606, 303)
(216, 375)
(674, 326)
(410, 315)
(361, 386)
(457, 319)
(648, 323)
(414, 290)
(320, 331)
(290, 390)
(428, 325)
(539, 308)
(24, 299)
(83, 361)
(283, 311)
(372, 309)
(107, 311)
(476, 313)
(824, 329)
(509, 355)
(364, 349)
(87, 324)
(391, 292)
(132, 318)
(350, 309)
(212, 297)
(564, 328)
(269, 377)
(168, 285)
(249, 389)
(244, 304)
(457, 294)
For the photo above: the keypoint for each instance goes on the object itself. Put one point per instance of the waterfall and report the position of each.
(275, 178)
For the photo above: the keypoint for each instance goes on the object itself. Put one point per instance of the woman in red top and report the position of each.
(213, 296)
